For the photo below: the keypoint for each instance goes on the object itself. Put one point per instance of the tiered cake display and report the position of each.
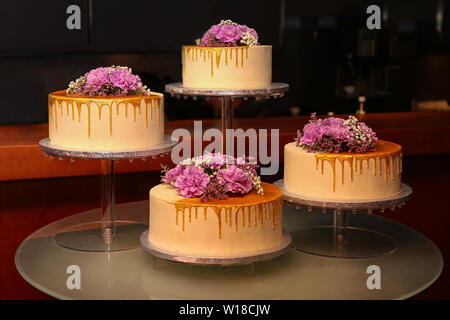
(212, 209)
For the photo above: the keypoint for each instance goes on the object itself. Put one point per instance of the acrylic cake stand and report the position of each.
(341, 240)
(265, 255)
(108, 234)
(276, 90)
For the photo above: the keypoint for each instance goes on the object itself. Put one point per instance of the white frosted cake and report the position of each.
(107, 109)
(210, 210)
(334, 159)
(227, 57)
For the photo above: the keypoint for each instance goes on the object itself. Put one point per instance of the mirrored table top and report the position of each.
(132, 274)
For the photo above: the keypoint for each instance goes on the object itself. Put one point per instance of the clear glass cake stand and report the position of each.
(341, 240)
(227, 96)
(108, 233)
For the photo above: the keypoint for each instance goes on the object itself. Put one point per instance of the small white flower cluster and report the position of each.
(111, 69)
(248, 39)
(74, 85)
(209, 158)
(358, 133)
(256, 183)
(228, 21)
(144, 88)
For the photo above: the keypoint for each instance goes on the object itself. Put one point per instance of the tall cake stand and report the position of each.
(341, 240)
(108, 233)
(227, 96)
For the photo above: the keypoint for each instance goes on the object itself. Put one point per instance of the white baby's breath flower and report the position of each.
(228, 21)
(248, 39)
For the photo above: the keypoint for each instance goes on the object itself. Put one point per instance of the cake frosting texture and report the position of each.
(236, 226)
(243, 67)
(343, 176)
(106, 123)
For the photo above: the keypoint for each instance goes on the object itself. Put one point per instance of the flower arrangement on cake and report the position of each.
(108, 81)
(229, 34)
(213, 176)
(336, 135)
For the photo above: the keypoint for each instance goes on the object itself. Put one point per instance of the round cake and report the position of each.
(227, 57)
(107, 109)
(341, 160)
(243, 217)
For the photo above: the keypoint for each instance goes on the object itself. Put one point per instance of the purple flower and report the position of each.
(192, 182)
(172, 175)
(124, 80)
(97, 78)
(235, 180)
(336, 135)
(312, 132)
(114, 80)
(333, 122)
(229, 33)
(244, 28)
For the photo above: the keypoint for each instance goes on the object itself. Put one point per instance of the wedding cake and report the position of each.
(341, 160)
(107, 109)
(228, 56)
(215, 206)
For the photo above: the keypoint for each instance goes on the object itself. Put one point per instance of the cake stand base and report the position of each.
(90, 237)
(341, 240)
(354, 243)
(265, 255)
(108, 234)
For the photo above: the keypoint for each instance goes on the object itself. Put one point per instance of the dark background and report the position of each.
(319, 47)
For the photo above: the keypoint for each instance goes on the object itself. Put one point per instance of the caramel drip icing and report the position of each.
(227, 211)
(213, 54)
(59, 97)
(386, 151)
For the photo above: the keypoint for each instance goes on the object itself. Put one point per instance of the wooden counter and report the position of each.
(420, 133)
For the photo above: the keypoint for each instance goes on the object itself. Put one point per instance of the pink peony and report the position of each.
(244, 28)
(172, 175)
(229, 33)
(97, 78)
(192, 182)
(234, 180)
(124, 80)
(312, 132)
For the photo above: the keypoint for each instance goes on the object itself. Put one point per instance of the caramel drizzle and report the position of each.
(213, 54)
(269, 210)
(388, 157)
(150, 102)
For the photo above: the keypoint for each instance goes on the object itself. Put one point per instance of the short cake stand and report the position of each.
(341, 240)
(108, 233)
(227, 96)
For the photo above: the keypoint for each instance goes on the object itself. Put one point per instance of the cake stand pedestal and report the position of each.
(227, 96)
(264, 255)
(341, 240)
(108, 233)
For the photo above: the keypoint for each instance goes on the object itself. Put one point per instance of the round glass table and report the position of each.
(132, 274)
